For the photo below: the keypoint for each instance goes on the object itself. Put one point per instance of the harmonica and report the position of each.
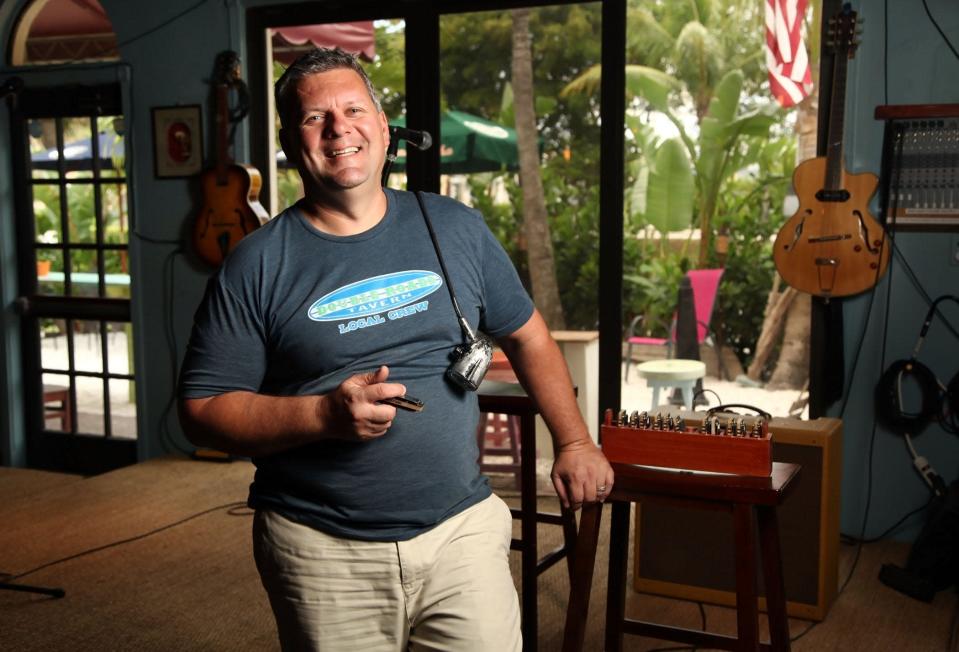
(405, 403)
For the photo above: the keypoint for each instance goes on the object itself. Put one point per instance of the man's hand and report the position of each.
(353, 411)
(581, 474)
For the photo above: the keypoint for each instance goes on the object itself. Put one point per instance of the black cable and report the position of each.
(158, 26)
(939, 29)
(703, 391)
(230, 506)
(145, 238)
(166, 436)
(850, 540)
(804, 632)
(914, 279)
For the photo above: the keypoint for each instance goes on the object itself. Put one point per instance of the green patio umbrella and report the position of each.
(469, 144)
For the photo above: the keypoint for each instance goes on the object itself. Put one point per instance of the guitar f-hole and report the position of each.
(864, 233)
(797, 232)
(223, 242)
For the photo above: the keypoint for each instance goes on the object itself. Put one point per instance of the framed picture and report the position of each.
(177, 141)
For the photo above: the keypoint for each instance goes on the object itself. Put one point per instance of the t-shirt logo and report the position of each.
(387, 293)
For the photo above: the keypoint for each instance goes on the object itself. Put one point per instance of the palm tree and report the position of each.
(542, 266)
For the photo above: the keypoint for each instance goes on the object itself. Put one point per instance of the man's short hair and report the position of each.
(314, 62)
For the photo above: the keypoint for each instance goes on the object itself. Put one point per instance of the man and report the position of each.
(374, 529)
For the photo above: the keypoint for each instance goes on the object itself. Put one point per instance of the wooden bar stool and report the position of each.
(752, 502)
(59, 396)
(511, 399)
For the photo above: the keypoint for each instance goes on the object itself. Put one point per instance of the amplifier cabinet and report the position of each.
(686, 553)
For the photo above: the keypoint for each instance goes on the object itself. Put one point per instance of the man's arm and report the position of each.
(250, 424)
(580, 470)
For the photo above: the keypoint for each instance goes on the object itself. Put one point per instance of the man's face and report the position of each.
(334, 134)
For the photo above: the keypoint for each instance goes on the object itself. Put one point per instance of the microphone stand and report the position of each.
(423, 142)
(391, 150)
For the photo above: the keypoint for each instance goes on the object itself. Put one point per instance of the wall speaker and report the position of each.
(688, 553)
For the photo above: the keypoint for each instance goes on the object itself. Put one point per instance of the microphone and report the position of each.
(419, 139)
(11, 87)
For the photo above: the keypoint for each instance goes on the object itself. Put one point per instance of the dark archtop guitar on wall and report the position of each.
(833, 246)
(231, 206)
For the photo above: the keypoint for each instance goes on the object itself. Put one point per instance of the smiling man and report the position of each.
(374, 529)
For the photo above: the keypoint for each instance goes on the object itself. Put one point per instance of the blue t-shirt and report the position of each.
(295, 311)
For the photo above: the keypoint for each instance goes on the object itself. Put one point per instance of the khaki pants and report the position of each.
(447, 589)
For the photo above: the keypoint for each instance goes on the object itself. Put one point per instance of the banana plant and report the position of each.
(709, 153)
(692, 55)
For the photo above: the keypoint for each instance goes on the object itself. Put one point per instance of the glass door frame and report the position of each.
(46, 449)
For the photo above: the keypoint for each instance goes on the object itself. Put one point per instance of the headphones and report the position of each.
(933, 400)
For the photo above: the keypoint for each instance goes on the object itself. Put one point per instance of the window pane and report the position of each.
(117, 279)
(114, 210)
(123, 409)
(80, 213)
(90, 405)
(486, 90)
(83, 272)
(46, 213)
(111, 146)
(53, 344)
(77, 147)
(87, 354)
(120, 343)
(56, 402)
(44, 154)
(49, 270)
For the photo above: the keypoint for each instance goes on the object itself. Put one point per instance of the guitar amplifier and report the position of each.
(686, 553)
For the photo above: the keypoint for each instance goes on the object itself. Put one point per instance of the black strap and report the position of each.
(467, 331)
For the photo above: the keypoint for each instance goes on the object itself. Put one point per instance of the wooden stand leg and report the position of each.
(616, 581)
(530, 552)
(747, 608)
(569, 539)
(773, 574)
(582, 581)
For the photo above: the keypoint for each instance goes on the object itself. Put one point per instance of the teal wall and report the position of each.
(921, 70)
(173, 65)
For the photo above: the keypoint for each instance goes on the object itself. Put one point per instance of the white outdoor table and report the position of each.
(672, 372)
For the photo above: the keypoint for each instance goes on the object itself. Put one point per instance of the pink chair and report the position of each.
(705, 285)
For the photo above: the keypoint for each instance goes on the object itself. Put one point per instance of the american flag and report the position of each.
(786, 58)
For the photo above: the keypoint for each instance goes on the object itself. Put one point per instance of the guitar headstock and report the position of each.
(843, 32)
(226, 70)
(227, 80)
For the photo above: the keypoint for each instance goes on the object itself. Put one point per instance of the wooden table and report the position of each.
(510, 398)
(751, 500)
(672, 372)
